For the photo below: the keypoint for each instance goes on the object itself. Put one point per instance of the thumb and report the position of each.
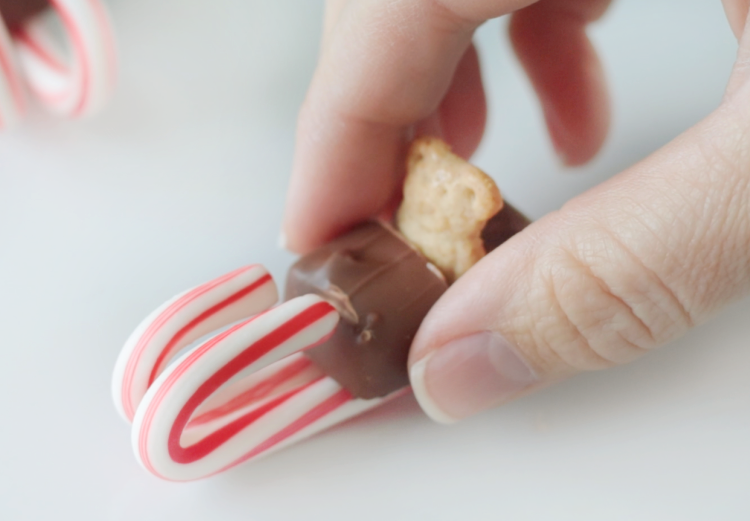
(618, 271)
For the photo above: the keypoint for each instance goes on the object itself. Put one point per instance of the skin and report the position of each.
(621, 269)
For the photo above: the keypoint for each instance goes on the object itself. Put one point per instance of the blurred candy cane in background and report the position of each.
(62, 51)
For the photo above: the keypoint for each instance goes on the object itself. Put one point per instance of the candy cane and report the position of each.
(80, 84)
(182, 320)
(241, 394)
(11, 94)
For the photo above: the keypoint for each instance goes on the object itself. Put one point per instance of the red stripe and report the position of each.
(249, 355)
(200, 318)
(254, 394)
(9, 72)
(40, 52)
(216, 439)
(192, 358)
(51, 97)
(107, 38)
(326, 407)
(148, 335)
(80, 49)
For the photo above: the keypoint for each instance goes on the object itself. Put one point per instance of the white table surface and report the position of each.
(183, 177)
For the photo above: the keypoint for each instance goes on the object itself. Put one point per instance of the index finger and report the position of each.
(385, 67)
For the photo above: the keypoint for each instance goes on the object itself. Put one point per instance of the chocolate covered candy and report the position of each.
(382, 285)
(382, 288)
(258, 384)
(504, 225)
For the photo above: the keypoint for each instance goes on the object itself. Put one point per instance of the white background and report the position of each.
(182, 178)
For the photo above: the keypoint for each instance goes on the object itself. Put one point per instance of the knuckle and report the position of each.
(375, 82)
(598, 305)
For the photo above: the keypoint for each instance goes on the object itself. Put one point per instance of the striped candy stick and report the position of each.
(243, 393)
(182, 320)
(12, 106)
(80, 84)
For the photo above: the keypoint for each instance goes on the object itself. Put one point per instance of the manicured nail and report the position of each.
(281, 241)
(469, 375)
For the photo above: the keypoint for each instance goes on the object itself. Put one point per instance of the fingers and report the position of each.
(385, 67)
(390, 68)
(463, 111)
(736, 11)
(621, 270)
(462, 114)
(550, 40)
(333, 11)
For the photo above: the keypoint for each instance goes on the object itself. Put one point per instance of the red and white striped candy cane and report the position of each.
(77, 82)
(243, 393)
(11, 93)
(182, 320)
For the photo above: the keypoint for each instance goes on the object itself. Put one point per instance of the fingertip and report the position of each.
(736, 12)
(468, 375)
(578, 138)
(423, 396)
(295, 235)
(568, 78)
(282, 241)
(463, 111)
(346, 170)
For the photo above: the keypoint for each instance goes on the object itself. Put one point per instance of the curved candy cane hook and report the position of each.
(80, 84)
(12, 105)
(182, 320)
(240, 394)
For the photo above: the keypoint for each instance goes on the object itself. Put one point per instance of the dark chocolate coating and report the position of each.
(15, 12)
(383, 288)
(504, 225)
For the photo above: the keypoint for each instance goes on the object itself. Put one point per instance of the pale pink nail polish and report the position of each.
(469, 375)
(281, 241)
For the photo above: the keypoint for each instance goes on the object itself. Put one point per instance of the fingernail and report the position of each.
(469, 375)
(281, 241)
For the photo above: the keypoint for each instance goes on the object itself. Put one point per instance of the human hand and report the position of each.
(626, 267)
